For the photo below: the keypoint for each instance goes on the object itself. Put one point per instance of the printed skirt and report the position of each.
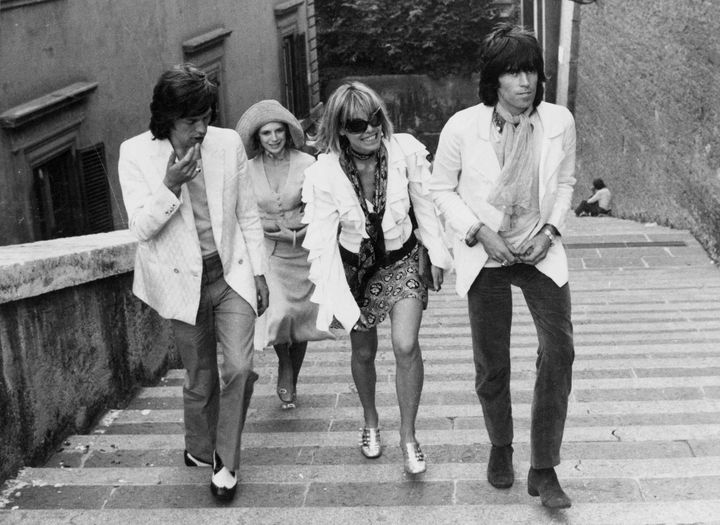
(390, 284)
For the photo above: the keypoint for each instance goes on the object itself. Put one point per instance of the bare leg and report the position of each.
(362, 364)
(409, 375)
(285, 388)
(297, 356)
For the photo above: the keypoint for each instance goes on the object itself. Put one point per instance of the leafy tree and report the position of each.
(434, 37)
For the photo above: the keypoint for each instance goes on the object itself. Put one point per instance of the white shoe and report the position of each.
(414, 458)
(370, 444)
(224, 481)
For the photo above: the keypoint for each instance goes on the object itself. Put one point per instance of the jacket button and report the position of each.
(240, 261)
(176, 270)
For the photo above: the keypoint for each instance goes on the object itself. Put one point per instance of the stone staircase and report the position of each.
(642, 441)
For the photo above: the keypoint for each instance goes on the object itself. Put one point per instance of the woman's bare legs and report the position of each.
(297, 356)
(285, 385)
(362, 364)
(405, 320)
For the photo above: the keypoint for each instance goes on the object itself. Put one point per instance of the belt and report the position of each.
(353, 259)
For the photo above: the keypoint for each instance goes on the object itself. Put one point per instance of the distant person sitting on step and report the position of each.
(598, 203)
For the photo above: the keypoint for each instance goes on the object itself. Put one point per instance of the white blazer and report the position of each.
(168, 262)
(466, 170)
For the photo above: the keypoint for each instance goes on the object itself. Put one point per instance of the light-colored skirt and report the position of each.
(291, 316)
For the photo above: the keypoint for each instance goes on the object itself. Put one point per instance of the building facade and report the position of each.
(76, 78)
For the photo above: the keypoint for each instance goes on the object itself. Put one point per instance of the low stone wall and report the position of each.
(73, 340)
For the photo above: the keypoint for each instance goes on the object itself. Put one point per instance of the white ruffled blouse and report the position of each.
(330, 201)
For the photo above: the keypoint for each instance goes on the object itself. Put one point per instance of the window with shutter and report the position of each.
(57, 204)
(292, 24)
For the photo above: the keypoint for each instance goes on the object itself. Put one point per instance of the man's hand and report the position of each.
(534, 250)
(178, 172)
(496, 247)
(263, 294)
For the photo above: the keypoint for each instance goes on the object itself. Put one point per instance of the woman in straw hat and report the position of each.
(272, 136)
(365, 257)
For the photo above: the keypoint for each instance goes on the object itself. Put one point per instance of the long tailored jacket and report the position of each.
(466, 170)
(168, 262)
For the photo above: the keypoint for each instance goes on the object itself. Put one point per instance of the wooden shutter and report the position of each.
(300, 81)
(96, 190)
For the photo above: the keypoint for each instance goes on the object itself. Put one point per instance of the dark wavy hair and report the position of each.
(509, 49)
(182, 91)
(598, 184)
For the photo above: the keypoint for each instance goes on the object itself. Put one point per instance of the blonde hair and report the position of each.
(349, 100)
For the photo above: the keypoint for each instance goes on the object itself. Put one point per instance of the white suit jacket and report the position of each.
(466, 170)
(168, 262)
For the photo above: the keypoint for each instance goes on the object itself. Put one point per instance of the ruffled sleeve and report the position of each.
(430, 230)
(322, 216)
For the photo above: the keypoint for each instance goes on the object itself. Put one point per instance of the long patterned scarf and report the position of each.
(513, 194)
(372, 249)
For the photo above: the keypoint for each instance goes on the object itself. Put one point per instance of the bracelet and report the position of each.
(470, 237)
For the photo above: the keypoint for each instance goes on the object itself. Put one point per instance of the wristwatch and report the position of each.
(548, 231)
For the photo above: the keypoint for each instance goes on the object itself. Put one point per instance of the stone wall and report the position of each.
(647, 111)
(73, 340)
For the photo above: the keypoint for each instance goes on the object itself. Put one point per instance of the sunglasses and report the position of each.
(358, 125)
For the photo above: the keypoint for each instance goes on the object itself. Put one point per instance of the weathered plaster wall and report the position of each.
(648, 110)
(123, 45)
(72, 343)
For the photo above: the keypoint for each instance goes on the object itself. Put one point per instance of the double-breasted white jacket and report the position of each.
(168, 262)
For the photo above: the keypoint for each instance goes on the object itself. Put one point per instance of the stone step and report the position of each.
(611, 433)
(513, 511)
(520, 410)
(572, 468)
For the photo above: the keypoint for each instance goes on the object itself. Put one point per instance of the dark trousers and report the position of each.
(592, 208)
(215, 404)
(490, 309)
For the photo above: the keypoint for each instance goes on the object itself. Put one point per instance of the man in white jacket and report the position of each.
(200, 259)
(503, 179)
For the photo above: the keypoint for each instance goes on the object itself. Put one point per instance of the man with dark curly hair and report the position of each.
(503, 178)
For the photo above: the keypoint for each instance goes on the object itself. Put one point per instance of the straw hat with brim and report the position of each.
(262, 113)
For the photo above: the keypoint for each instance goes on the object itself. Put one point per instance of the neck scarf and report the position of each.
(372, 249)
(513, 193)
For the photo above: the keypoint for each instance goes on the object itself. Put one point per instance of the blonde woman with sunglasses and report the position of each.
(368, 212)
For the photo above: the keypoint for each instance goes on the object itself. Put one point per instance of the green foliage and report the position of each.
(433, 37)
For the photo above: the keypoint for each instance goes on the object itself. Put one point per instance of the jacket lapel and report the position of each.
(551, 153)
(212, 162)
(492, 165)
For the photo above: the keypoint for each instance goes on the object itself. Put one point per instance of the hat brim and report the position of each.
(262, 113)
